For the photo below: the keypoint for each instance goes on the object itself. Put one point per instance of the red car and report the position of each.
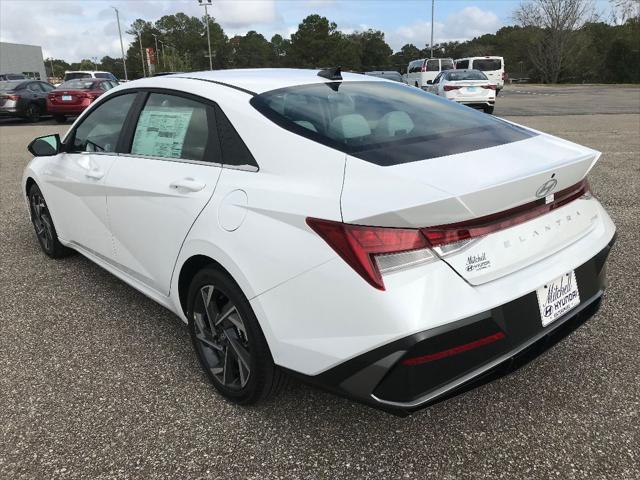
(72, 97)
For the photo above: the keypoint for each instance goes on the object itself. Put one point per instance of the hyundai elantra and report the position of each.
(366, 236)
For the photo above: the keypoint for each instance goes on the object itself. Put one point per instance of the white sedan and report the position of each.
(469, 87)
(361, 234)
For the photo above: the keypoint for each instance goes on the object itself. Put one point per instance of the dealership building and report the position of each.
(25, 59)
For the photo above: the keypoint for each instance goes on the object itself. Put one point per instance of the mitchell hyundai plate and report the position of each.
(558, 297)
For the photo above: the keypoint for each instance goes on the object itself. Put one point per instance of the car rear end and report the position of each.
(466, 246)
(72, 97)
(492, 67)
(474, 93)
(9, 99)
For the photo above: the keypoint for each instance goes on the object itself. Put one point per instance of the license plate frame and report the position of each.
(558, 297)
(67, 98)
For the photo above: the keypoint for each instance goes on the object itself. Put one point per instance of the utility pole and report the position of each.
(207, 3)
(124, 63)
(144, 74)
(433, 5)
(155, 37)
(162, 48)
(53, 75)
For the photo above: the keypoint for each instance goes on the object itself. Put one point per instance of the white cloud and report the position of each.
(463, 25)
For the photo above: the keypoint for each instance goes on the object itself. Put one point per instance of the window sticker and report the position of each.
(161, 131)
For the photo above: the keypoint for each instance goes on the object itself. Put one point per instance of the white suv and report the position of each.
(420, 72)
(380, 241)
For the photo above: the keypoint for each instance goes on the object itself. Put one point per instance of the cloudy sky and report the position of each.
(76, 29)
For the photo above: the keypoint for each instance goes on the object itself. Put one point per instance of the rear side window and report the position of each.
(383, 122)
(35, 87)
(487, 64)
(462, 64)
(172, 127)
(446, 64)
(234, 150)
(100, 130)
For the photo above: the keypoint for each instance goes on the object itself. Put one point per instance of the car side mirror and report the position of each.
(45, 146)
(429, 82)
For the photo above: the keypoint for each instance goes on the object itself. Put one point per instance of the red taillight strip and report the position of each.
(453, 351)
(477, 227)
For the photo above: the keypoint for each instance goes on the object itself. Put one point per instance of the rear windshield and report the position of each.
(383, 122)
(108, 76)
(446, 64)
(72, 76)
(487, 64)
(8, 85)
(468, 75)
(77, 85)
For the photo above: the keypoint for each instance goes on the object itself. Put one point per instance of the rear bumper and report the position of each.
(65, 109)
(463, 354)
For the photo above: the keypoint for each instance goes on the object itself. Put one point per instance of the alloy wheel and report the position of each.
(41, 220)
(222, 338)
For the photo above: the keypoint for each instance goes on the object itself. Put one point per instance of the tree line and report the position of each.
(571, 48)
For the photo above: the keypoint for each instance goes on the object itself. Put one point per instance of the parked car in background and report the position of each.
(12, 76)
(492, 67)
(24, 98)
(75, 74)
(72, 97)
(388, 74)
(419, 72)
(469, 87)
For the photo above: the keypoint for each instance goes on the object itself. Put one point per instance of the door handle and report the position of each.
(95, 174)
(188, 184)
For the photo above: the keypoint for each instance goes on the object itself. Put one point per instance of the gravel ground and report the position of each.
(97, 381)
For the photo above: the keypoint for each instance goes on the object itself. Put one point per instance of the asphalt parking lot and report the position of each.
(97, 381)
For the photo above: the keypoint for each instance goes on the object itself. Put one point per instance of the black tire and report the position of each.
(235, 335)
(489, 110)
(60, 118)
(33, 113)
(43, 225)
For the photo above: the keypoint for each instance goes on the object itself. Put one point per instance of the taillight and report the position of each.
(457, 232)
(490, 87)
(424, 67)
(448, 88)
(503, 75)
(10, 97)
(371, 251)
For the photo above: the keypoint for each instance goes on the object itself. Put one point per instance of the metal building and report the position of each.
(25, 59)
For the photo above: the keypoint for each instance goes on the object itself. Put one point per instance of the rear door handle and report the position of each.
(188, 184)
(95, 174)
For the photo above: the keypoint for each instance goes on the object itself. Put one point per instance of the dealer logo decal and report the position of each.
(478, 262)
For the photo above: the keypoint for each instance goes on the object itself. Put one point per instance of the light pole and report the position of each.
(433, 4)
(53, 75)
(207, 3)
(162, 48)
(124, 63)
(155, 37)
(144, 74)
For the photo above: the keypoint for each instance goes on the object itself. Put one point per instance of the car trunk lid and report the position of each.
(460, 188)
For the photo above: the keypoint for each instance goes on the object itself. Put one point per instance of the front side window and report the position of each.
(383, 122)
(172, 127)
(487, 64)
(100, 130)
